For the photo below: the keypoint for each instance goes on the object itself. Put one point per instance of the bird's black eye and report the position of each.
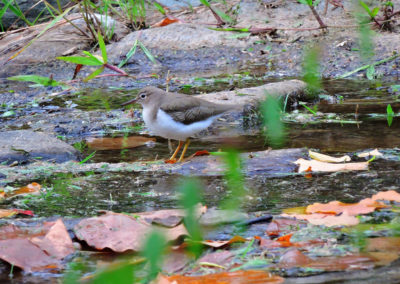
(142, 96)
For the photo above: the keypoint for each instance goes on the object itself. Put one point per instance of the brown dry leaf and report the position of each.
(270, 244)
(237, 277)
(365, 206)
(220, 244)
(384, 258)
(328, 159)
(57, 242)
(389, 195)
(165, 22)
(33, 187)
(119, 232)
(4, 213)
(328, 220)
(169, 217)
(175, 261)
(117, 143)
(317, 166)
(281, 225)
(26, 255)
(295, 210)
(294, 258)
(372, 153)
(219, 258)
(385, 244)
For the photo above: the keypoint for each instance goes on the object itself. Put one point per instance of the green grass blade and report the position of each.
(147, 52)
(159, 8)
(130, 53)
(94, 74)
(102, 47)
(43, 81)
(81, 60)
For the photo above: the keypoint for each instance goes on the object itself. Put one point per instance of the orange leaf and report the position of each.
(389, 195)
(365, 206)
(237, 277)
(165, 22)
(118, 143)
(33, 187)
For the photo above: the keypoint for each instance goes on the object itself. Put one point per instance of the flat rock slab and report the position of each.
(27, 146)
(274, 163)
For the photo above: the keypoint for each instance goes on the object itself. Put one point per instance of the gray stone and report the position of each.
(26, 146)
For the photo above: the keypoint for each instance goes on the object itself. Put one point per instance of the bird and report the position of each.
(176, 116)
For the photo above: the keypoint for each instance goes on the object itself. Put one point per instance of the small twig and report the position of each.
(316, 15)
(368, 65)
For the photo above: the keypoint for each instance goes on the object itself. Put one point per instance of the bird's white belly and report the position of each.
(166, 127)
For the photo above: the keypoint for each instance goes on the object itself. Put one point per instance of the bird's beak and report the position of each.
(130, 102)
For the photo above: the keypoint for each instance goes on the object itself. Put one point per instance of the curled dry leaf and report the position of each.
(33, 187)
(372, 153)
(317, 166)
(220, 244)
(118, 143)
(328, 159)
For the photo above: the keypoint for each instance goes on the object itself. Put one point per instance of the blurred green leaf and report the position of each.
(40, 80)
(389, 114)
(122, 273)
(94, 74)
(275, 131)
(205, 3)
(159, 8)
(311, 74)
(190, 197)
(371, 72)
(153, 252)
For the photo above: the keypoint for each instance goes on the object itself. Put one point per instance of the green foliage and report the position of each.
(234, 178)
(372, 13)
(91, 155)
(132, 51)
(153, 252)
(389, 114)
(271, 111)
(309, 2)
(311, 66)
(39, 80)
(159, 8)
(190, 197)
(118, 274)
(133, 11)
(222, 15)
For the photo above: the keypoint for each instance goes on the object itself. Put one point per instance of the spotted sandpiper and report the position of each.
(176, 116)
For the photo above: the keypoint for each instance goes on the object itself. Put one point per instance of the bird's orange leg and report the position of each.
(176, 151)
(184, 150)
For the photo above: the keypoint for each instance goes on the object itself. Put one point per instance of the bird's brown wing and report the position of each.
(188, 110)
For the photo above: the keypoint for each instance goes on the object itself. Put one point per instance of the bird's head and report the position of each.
(145, 96)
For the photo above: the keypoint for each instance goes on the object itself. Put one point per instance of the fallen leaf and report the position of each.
(317, 166)
(120, 232)
(4, 213)
(384, 244)
(237, 277)
(389, 195)
(281, 226)
(365, 206)
(372, 153)
(57, 242)
(220, 258)
(26, 255)
(165, 22)
(293, 257)
(328, 159)
(328, 220)
(33, 187)
(384, 258)
(117, 143)
(220, 244)
(175, 261)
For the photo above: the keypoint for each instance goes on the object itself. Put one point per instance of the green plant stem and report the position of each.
(367, 66)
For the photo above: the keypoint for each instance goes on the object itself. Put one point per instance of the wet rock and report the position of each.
(175, 37)
(295, 89)
(61, 40)
(26, 146)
